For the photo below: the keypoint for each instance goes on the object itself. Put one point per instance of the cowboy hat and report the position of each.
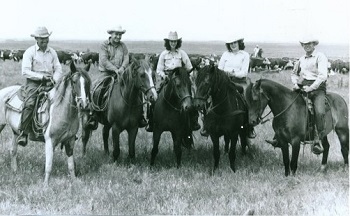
(309, 39)
(118, 29)
(172, 36)
(41, 32)
(232, 39)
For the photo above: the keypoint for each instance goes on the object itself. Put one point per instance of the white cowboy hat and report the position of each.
(232, 39)
(172, 36)
(118, 29)
(309, 39)
(41, 32)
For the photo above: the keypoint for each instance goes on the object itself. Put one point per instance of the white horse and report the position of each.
(68, 96)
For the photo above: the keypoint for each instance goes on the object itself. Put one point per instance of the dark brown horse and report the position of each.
(124, 108)
(227, 114)
(290, 119)
(171, 112)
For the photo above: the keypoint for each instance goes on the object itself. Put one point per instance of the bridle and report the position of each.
(178, 96)
(261, 119)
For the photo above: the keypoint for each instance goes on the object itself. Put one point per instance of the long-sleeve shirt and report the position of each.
(170, 60)
(112, 57)
(236, 63)
(312, 67)
(37, 63)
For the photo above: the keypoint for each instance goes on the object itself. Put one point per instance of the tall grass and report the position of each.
(134, 188)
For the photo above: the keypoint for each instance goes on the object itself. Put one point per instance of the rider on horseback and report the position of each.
(171, 58)
(310, 75)
(235, 62)
(114, 59)
(41, 68)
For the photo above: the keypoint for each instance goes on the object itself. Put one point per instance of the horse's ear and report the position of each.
(87, 67)
(73, 69)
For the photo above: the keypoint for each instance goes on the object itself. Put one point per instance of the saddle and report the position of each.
(41, 111)
(101, 93)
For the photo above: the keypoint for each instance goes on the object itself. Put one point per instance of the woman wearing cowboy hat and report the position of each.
(40, 66)
(173, 57)
(235, 62)
(310, 75)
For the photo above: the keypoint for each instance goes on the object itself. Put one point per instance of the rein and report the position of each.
(268, 99)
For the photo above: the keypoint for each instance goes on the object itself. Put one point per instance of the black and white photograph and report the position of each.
(164, 107)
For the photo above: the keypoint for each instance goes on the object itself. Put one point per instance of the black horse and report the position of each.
(227, 115)
(172, 112)
(290, 119)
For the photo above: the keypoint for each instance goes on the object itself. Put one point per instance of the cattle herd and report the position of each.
(284, 63)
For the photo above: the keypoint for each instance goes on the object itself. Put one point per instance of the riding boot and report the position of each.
(22, 138)
(317, 147)
(149, 127)
(194, 120)
(251, 132)
(92, 122)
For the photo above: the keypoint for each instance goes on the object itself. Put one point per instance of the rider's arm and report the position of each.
(57, 68)
(222, 61)
(244, 67)
(125, 56)
(295, 73)
(186, 60)
(160, 65)
(322, 71)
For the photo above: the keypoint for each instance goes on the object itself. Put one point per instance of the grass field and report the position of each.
(125, 188)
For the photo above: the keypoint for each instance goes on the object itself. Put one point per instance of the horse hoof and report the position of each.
(323, 168)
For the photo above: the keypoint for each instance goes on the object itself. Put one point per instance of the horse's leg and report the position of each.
(116, 145)
(85, 135)
(14, 148)
(48, 158)
(285, 154)
(325, 153)
(156, 137)
(131, 140)
(295, 155)
(343, 136)
(177, 146)
(69, 146)
(232, 153)
(216, 150)
(227, 143)
(105, 135)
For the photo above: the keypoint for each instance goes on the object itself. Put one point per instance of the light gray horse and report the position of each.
(68, 96)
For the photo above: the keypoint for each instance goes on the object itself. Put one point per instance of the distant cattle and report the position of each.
(64, 57)
(18, 55)
(258, 62)
(339, 66)
(93, 57)
(6, 54)
(278, 63)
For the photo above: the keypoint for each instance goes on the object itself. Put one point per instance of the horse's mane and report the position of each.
(61, 85)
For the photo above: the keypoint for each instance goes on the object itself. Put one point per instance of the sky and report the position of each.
(194, 20)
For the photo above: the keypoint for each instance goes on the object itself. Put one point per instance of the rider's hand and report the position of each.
(296, 87)
(120, 70)
(307, 89)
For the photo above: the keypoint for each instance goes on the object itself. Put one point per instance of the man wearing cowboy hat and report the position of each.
(114, 58)
(310, 75)
(41, 67)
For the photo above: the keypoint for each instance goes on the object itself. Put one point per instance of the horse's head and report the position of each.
(257, 101)
(81, 84)
(181, 84)
(142, 75)
(203, 85)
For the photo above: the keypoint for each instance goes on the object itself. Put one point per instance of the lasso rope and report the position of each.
(106, 90)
